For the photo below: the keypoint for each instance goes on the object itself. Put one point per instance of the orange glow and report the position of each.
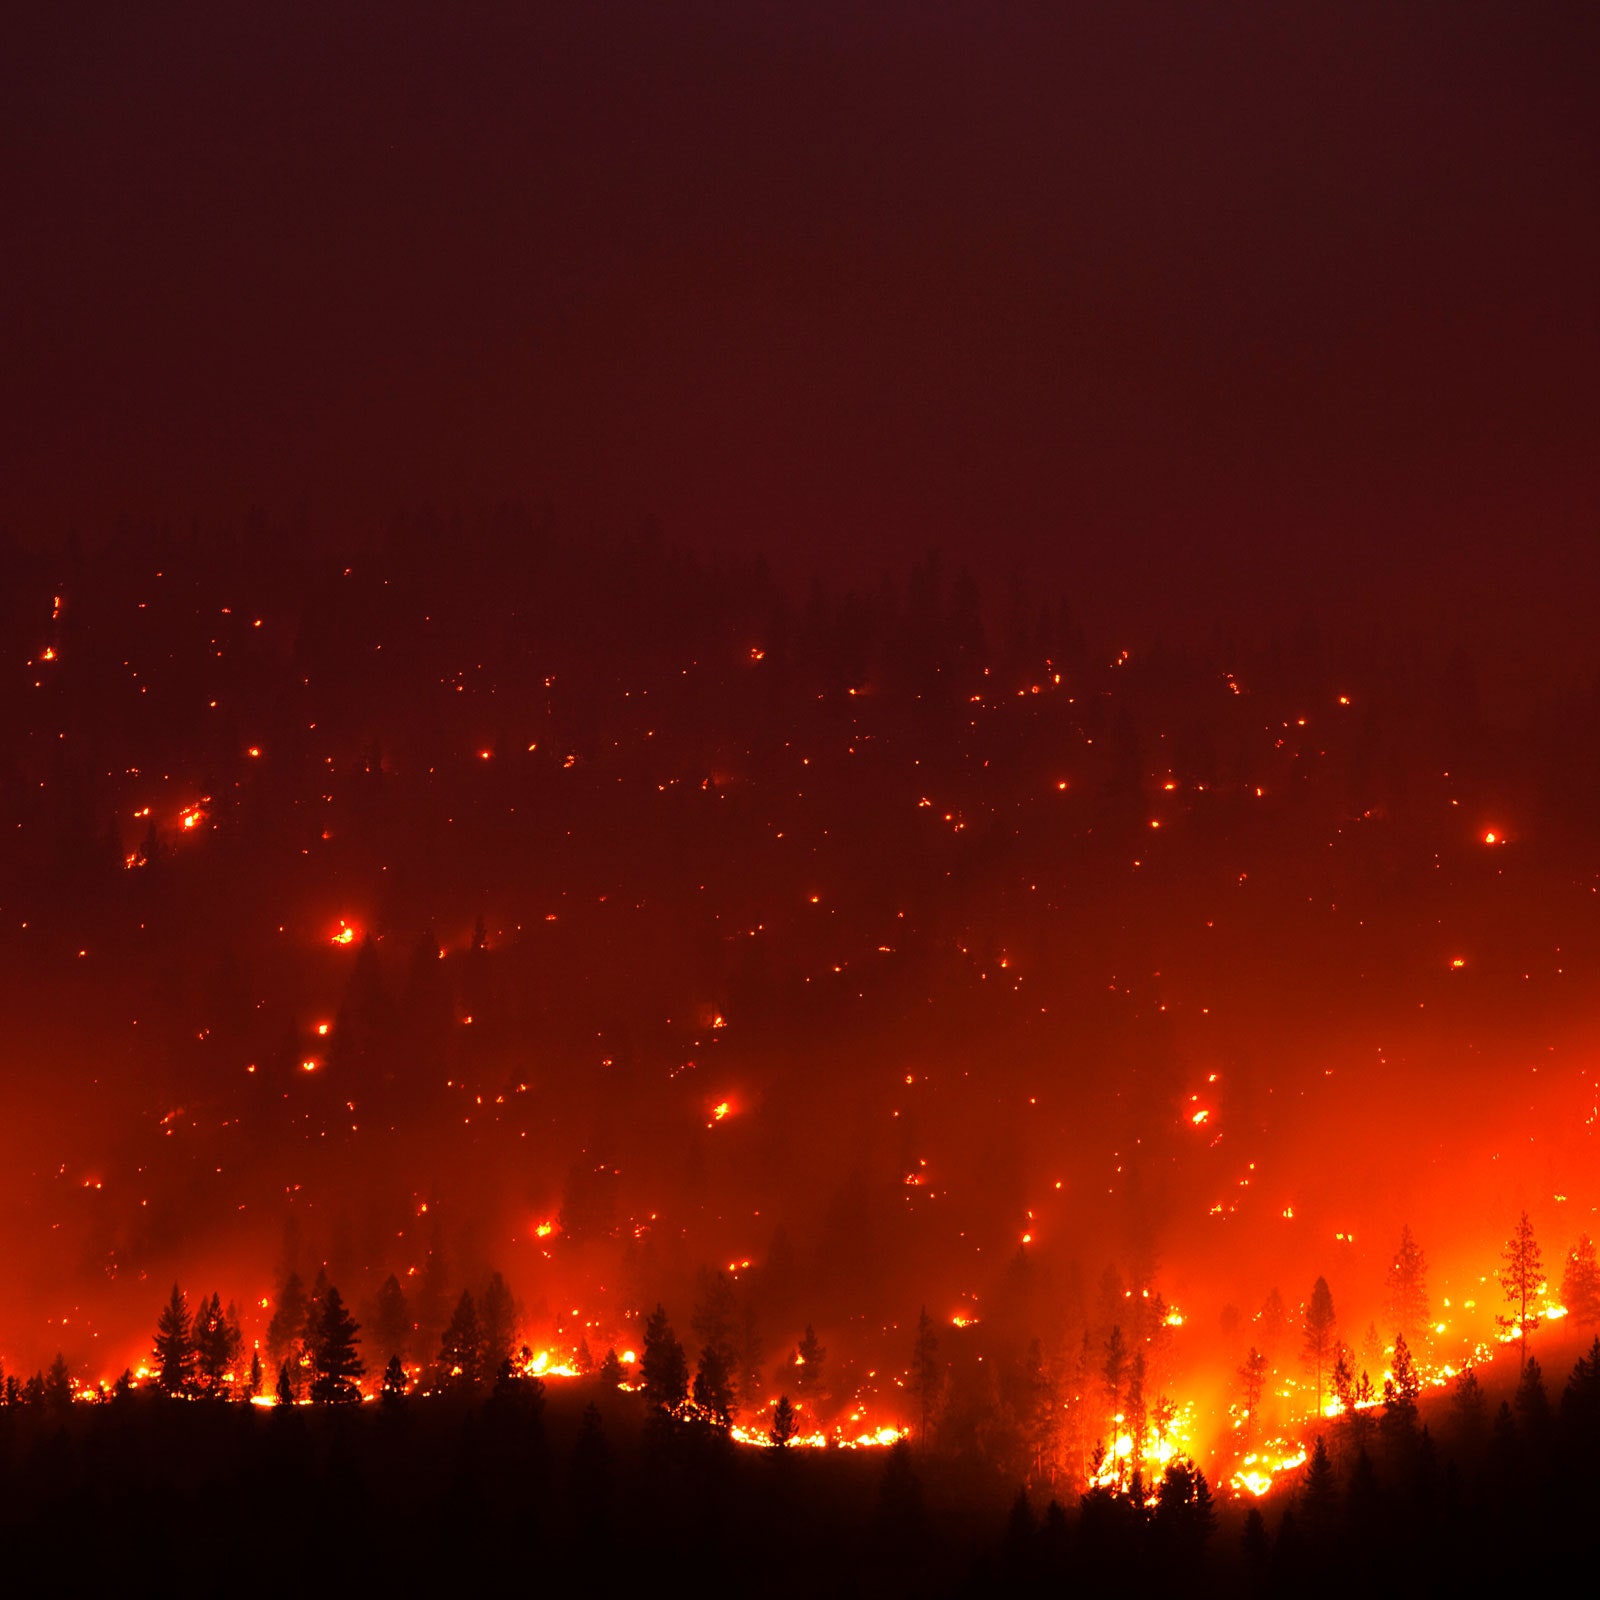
(346, 933)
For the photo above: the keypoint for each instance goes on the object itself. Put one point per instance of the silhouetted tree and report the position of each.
(497, 1322)
(288, 1390)
(713, 1387)
(1521, 1279)
(58, 1386)
(1273, 1319)
(461, 1345)
(174, 1349)
(1252, 1375)
(807, 1368)
(1185, 1512)
(663, 1365)
(257, 1378)
(1406, 1292)
(1580, 1283)
(611, 1370)
(216, 1344)
(337, 1366)
(1580, 1400)
(396, 1380)
(1532, 1401)
(391, 1318)
(1318, 1330)
(1317, 1489)
(784, 1425)
(288, 1321)
(1468, 1403)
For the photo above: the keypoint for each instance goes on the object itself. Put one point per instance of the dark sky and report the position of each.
(1250, 306)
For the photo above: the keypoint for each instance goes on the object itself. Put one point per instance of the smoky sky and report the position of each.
(1194, 308)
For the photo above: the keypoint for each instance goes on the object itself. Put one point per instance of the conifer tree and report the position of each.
(497, 1322)
(58, 1386)
(288, 1321)
(396, 1380)
(1252, 1375)
(216, 1342)
(391, 1319)
(611, 1370)
(461, 1345)
(1580, 1283)
(1521, 1280)
(663, 1365)
(257, 1378)
(174, 1347)
(1406, 1293)
(1318, 1331)
(784, 1424)
(1317, 1490)
(808, 1368)
(336, 1364)
(713, 1388)
(288, 1389)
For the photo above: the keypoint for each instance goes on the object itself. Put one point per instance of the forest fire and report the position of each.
(801, 802)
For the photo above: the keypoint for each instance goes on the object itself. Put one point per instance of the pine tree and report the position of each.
(1406, 1296)
(1521, 1280)
(288, 1390)
(461, 1345)
(391, 1318)
(807, 1368)
(336, 1363)
(497, 1322)
(396, 1380)
(1468, 1402)
(712, 1322)
(611, 1372)
(288, 1321)
(1317, 1490)
(256, 1376)
(1318, 1331)
(1274, 1322)
(174, 1348)
(216, 1343)
(784, 1425)
(713, 1388)
(1580, 1400)
(1580, 1283)
(58, 1386)
(311, 1331)
(1253, 1376)
(663, 1366)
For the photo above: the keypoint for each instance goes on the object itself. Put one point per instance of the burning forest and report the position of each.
(800, 800)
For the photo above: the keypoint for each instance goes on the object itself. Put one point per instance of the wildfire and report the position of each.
(346, 934)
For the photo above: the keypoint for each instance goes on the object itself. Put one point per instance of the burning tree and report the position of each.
(1580, 1283)
(1521, 1280)
(1252, 1374)
(784, 1425)
(174, 1350)
(807, 1367)
(216, 1341)
(1317, 1331)
(1406, 1300)
(461, 1344)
